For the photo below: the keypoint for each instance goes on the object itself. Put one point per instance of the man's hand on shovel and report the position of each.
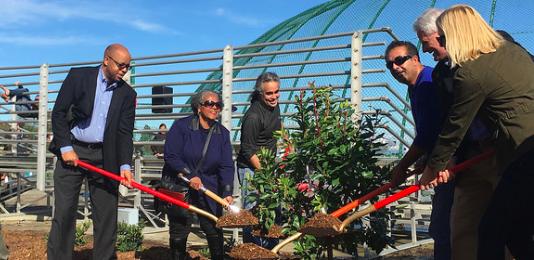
(128, 177)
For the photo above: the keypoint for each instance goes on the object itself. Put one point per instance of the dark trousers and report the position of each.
(180, 221)
(440, 228)
(67, 183)
(509, 219)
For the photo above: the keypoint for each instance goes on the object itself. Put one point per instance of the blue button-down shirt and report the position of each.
(92, 129)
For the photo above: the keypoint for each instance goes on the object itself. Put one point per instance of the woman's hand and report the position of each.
(195, 183)
(229, 199)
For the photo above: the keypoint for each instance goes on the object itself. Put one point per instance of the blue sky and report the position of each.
(36, 32)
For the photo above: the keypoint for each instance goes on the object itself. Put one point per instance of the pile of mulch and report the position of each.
(321, 225)
(274, 232)
(251, 251)
(25, 244)
(234, 220)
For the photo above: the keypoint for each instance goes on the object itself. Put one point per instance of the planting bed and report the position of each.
(28, 244)
(251, 251)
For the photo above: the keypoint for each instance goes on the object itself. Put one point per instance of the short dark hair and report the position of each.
(410, 47)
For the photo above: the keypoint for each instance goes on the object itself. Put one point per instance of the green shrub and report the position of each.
(81, 238)
(334, 162)
(129, 237)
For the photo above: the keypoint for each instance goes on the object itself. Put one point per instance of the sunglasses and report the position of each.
(120, 65)
(209, 103)
(441, 40)
(399, 60)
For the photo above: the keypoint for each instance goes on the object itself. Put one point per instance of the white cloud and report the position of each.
(36, 40)
(240, 19)
(17, 13)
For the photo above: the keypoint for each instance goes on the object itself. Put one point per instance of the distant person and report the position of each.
(157, 150)
(198, 147)
(92, 120)
(21, 96)
(261, 120)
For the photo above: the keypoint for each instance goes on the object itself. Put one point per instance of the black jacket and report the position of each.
(257, 127)
(74, 104)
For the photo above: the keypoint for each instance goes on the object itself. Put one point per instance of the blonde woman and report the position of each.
(493, 78)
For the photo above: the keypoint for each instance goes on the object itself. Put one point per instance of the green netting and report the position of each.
(344, 16)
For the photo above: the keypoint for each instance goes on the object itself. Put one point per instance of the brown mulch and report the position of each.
(274, 232)
(251, 251)
(234, 220)
(321, 225)
(25, 245)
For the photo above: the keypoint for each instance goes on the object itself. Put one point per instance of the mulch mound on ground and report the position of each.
(234, 220)
(274, 232)
(321, 225)
(251, 251)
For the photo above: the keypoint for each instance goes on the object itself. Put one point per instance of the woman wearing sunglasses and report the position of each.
(493, 78)
(199, 148)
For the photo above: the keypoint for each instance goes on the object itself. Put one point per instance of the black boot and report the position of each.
(178, 248)
(215, 243)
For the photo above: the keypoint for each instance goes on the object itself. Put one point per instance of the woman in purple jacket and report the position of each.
(186, 142)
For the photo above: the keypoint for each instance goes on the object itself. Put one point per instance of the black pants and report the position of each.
(440, 225)
(509, 219)
(67, 183)
(180, 221)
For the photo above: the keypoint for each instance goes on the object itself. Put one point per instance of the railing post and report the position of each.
(228, 74)
(138, 178)
(356, 73)
(43, 127)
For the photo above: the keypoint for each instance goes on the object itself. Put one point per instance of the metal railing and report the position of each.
(353, 68)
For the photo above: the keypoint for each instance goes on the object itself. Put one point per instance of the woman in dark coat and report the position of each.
(493, 78)
(182, 153)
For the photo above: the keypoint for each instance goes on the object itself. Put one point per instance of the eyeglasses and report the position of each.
(399, 60)
(209, 103)
(120, 65)
(441, 40)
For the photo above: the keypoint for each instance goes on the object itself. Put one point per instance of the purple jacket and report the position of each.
(183, 149)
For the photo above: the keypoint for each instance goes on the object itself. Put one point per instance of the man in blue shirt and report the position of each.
(92, 120)
(402, 60)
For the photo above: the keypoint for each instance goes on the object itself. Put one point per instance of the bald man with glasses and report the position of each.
(92, 121)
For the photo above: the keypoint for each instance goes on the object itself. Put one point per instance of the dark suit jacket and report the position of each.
(75, 102)
(500, 87)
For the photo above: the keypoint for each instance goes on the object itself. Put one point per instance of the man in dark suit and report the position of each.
(93, 121)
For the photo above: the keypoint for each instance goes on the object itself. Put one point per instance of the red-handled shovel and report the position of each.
(143, 188)
(411, 189)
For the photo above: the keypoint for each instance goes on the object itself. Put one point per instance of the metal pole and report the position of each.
(137, 178)
(228, 71)
(356, 73)
(42, 130)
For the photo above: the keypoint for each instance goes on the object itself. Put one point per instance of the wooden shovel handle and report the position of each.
(208, 193)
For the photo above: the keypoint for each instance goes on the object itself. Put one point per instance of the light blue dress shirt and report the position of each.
(92, 129)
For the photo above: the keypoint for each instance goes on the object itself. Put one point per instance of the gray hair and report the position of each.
(200, 97)
(263, 78)
(426, 23)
